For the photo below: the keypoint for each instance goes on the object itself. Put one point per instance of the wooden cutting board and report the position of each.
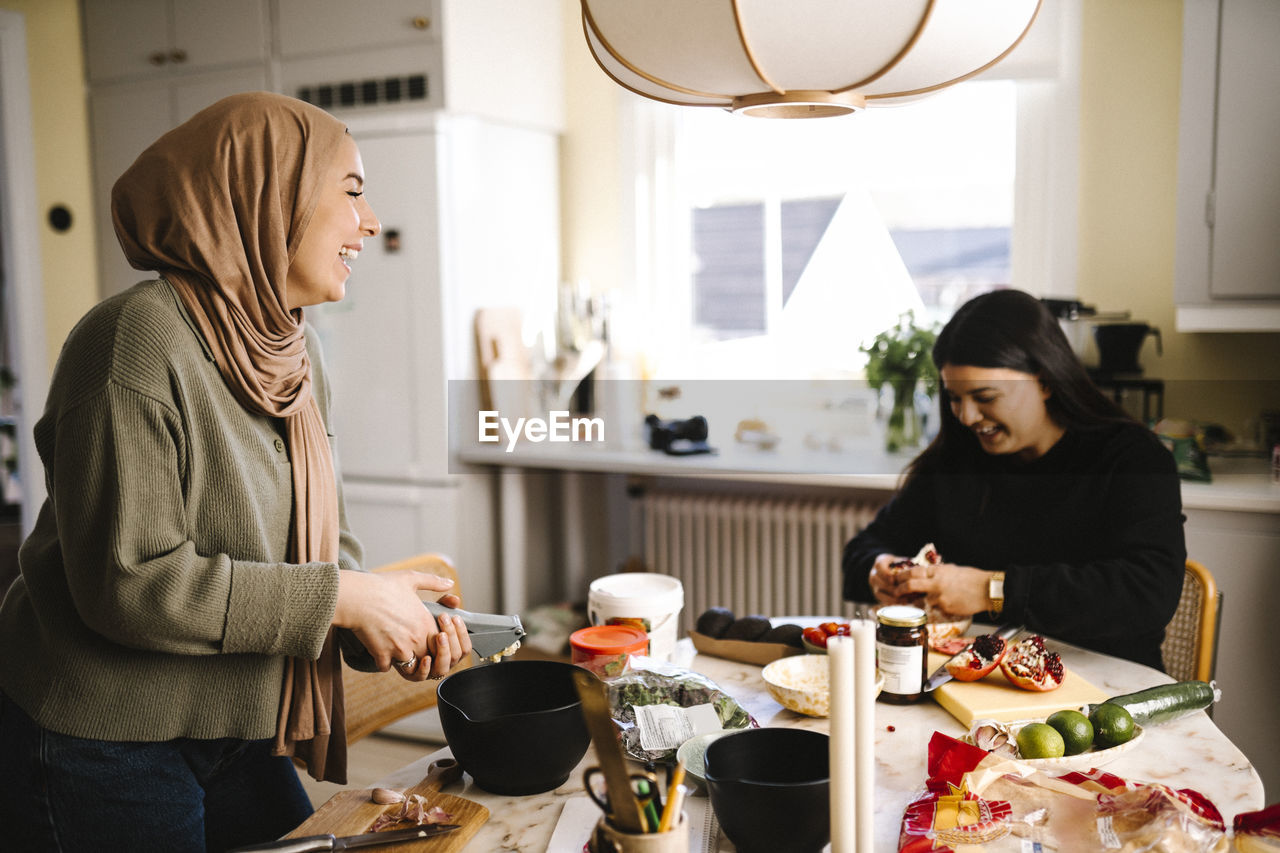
(352, 813)
(994, 698)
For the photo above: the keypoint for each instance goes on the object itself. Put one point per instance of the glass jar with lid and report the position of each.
(902, 652)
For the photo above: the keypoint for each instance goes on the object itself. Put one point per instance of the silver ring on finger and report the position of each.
(406, 664)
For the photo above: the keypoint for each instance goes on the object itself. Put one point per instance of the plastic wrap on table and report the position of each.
(654, 683)
(975, 797)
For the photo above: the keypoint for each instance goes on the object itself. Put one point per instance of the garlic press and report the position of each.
(491, 634)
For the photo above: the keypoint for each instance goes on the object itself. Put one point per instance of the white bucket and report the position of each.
(650, 600)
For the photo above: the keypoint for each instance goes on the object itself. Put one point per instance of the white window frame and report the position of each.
(1045, 236)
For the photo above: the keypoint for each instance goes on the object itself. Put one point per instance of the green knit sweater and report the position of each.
(154, 600)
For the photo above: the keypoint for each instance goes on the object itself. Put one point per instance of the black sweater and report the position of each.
(1089, 536)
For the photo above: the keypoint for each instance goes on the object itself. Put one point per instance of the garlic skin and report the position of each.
(994, 737)
(386, 796)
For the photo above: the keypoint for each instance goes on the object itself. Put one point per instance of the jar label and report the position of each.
(902, 667)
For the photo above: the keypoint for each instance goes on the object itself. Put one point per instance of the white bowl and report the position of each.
(1083, 761)
(802, 684)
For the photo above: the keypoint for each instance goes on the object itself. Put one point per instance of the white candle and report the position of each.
(864, 719)
(840, 663)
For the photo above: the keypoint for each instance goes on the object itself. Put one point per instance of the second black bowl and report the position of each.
(515, 726)
(770, 789)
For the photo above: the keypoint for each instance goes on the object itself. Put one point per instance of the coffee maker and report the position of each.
(1119, 345)
(1109, 345)
(1077, 321)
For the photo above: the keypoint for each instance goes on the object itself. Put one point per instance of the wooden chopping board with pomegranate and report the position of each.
(995, 698)
(354, 812)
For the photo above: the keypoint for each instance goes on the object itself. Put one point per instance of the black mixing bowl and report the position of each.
(515, 726)
(769, 789)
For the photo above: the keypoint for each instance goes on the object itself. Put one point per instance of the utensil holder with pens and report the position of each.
(606, 838)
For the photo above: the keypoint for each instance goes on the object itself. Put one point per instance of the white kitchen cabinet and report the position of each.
(311, 27)
(1227, 264)
(383, 342)
(497, 59)
(394, 520)
(1240, 549)
(157, 38)
(127, 117)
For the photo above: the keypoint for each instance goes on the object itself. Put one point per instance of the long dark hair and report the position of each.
(1014, 330)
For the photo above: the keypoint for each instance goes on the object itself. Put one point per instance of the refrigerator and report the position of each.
(470, 218)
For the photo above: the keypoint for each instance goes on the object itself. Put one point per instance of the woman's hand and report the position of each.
(387, 616)
(947, 588)
(884, 580)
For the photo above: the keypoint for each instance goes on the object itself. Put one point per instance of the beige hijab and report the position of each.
(218, 206)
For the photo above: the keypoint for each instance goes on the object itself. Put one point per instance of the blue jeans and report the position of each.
(69, 794)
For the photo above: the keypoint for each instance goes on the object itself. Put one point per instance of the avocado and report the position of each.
(786, 634)
(714, 622)
(748, 628)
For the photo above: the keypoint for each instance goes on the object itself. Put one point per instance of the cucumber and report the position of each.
(1164, 703)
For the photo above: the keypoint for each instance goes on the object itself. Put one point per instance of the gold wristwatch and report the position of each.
(995, 592)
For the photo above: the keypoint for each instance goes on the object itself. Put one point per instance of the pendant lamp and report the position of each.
(799, 58)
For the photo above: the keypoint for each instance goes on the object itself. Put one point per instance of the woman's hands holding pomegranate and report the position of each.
(944, 588)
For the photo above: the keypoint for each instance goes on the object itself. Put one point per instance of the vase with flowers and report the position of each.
(901, 358)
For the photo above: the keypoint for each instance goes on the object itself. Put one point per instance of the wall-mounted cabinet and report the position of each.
(495, 59)
(154, 38)
(311, 27)
(153, 63)
(1227, 266)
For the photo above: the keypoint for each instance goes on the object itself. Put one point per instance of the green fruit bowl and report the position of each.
(1083, 761)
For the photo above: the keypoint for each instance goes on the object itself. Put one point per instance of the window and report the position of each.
(768, 201)
(768, 245)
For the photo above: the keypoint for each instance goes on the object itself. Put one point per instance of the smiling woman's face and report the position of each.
(1005, 409)
(341, 221)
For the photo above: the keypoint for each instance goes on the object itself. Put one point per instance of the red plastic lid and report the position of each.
(610, 640)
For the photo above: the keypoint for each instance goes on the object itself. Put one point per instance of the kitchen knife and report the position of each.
(941, 676)
(309, 843)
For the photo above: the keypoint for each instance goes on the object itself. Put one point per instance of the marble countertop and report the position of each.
(1187, 753)
(1239, 484)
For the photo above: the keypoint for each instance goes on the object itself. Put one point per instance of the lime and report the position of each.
(1112, 725)
(1037, 740)
(1075, 728)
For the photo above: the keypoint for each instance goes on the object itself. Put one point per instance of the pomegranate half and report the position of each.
(980, 659)
(1031, 666)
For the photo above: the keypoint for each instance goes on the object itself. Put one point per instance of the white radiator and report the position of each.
(769, 555)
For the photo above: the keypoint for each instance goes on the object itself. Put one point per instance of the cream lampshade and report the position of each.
(799, 58)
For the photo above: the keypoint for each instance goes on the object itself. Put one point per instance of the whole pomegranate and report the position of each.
(1031, 666)
(980, 659)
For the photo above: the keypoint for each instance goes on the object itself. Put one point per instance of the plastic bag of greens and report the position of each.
(658, 707)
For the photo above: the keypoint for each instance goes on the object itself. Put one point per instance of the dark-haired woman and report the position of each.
(1049, 505)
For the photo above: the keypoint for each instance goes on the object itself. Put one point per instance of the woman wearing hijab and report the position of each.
(1050, 505)
(173, 637)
